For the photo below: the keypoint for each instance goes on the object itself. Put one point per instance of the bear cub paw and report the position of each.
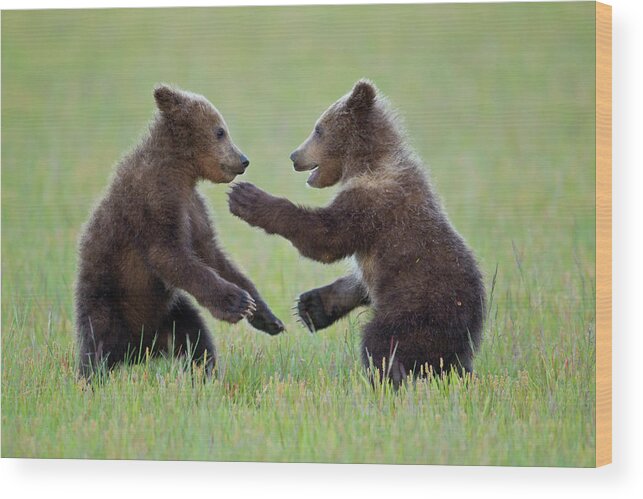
(233, 305)
(247, 202)
(264, 320)
(312, 312)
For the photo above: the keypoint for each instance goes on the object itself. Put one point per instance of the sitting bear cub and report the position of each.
(412, 267)
(150, 240)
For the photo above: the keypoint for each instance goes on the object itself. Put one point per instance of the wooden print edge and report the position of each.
(603, 234)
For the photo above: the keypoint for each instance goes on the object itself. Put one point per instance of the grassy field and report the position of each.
(498, 100)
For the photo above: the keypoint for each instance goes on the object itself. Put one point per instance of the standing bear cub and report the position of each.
(150, 240)
(412, 267)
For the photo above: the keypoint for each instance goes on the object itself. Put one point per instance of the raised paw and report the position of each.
(264, 320)
(233, 305)
(311, 311)
(246, 201)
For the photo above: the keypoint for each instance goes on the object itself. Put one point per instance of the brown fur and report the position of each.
(150, 240)
(413, 268)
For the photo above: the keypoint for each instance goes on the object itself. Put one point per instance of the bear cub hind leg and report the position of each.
(105, 340)
(185, 334)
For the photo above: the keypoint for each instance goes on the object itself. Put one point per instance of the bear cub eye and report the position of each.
(220, 133)
(318, 130)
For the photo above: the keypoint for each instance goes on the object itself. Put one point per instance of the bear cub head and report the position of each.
(198, 134)
(350, 138)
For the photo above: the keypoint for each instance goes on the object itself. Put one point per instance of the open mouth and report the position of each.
(314, 173)
(304, 168)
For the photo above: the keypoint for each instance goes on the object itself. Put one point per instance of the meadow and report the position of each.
(498, 100)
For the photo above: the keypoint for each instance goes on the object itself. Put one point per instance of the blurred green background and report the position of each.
(498, 99)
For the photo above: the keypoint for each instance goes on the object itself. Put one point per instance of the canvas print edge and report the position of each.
(603, 234)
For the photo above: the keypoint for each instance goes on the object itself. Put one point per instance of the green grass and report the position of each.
(498, 99)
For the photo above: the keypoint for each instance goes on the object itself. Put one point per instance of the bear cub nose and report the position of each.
(293, 156)
(244, 161)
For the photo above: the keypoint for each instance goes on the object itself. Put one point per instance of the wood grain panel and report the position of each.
(603, 234)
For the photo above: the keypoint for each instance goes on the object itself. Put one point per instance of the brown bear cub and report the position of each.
(412, 267)
(150, 240)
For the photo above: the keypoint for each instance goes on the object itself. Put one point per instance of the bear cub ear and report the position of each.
(362, 97)
(167, 98)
